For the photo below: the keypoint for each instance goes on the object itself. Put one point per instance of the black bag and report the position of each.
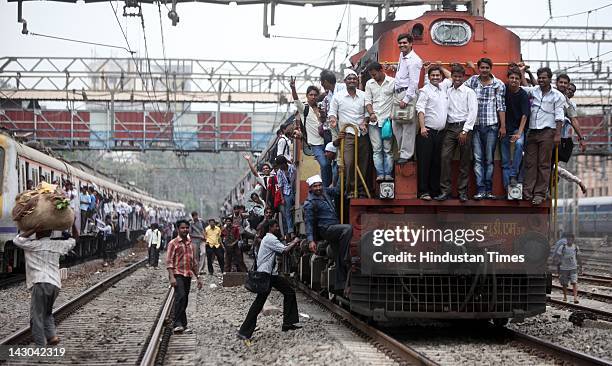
(565, 149)
(258, 282)
(306, 147)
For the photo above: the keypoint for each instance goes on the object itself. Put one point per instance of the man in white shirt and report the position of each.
(310, 115)
(43, 277)
(432, 109)
(331, 87)
(153, 238)
(408, 72)
(544, 133)
(348, 109)
(460, 120)
(379, 101)
(284, 146)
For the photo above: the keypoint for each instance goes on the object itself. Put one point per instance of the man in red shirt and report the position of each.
(181, 264)
(230, 235)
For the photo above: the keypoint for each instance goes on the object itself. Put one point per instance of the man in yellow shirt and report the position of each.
(213, 245)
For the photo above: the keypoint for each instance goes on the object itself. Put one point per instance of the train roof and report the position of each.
(71, 171)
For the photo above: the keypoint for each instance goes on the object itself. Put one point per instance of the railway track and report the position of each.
(518, 346)
(401, 353)
(588, 294)
(120, 320)
(9, 279)
(598, 280)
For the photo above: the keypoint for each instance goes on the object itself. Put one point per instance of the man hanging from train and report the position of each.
(311, 115)
(460, 120)
(348, 109)
(490, 124)
(331, 87)
(407, 74)
(321, 220)
(379, 101)
(43, 278)
(545, 122)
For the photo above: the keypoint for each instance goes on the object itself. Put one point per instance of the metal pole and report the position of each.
(144, 126)
(218, 118)
(112, 118)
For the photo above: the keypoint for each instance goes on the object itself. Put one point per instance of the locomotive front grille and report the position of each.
(449, 296)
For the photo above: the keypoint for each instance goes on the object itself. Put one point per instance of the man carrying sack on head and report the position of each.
(38, 212)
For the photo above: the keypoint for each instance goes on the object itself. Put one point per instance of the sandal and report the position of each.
(425, 197)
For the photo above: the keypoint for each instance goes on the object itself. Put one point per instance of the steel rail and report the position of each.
(607, 315)
(560, 352)
(153, 349)
(23, 335)
(590, 295)
(401, 351)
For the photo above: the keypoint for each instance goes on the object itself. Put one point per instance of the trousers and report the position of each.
(41, 312)
(450, 142)
(210, 254)
(181, 300)
(290, 308)
(153, 256)
(429, 150)
(234, 254)
(339, 236)
(538, 152)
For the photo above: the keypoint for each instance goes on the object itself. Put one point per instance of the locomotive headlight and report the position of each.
(451, 33)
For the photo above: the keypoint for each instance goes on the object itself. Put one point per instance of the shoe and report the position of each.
(441, 197)
(480, 196)
(490, 196)
(380, 178)
(513, 181)
(53, 341)
(187, 331)
(576, 301)
(402, 161)
(388, 178)
(178, 330)
(287, 328)
(537, 201)
(425, 197)
(463, 197)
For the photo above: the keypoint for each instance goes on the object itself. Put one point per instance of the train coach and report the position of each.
(502, 275)
(20, 163)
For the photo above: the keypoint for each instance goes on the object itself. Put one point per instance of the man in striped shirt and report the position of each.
(181, 264)
(43, 277)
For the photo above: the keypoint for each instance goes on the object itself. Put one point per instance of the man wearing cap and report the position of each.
(322, 224)
(330, 154)
(379, 100)
(348, 109)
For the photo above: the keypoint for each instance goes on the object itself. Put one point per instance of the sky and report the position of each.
(208, 31)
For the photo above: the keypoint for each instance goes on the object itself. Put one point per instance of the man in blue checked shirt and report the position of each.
(490, 124)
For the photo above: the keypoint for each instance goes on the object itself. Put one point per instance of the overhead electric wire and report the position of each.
(331, 49)
(79, 41)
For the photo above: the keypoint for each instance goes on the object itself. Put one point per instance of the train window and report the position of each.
(451, 33)
(417, 31)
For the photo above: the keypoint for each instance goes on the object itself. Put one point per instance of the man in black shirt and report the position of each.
(517, 112)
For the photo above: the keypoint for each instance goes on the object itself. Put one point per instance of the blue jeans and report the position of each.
(287, 215)
(511, 167)
(484, 141)
(326, 171)
(381, 152)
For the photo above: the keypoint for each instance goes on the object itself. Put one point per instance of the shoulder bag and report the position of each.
(259, 282)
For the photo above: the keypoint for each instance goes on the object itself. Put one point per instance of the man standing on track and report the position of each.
(181, 264)
(214, 246)
(567, 258)
(43, 277)
(196, 233)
